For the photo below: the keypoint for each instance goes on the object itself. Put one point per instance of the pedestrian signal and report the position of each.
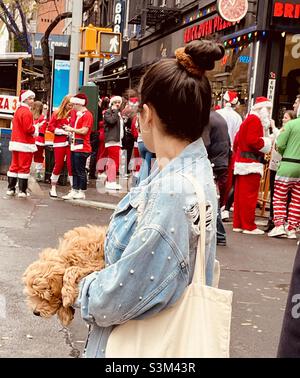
(110, 43)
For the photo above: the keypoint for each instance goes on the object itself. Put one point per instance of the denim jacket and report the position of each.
(150, 248)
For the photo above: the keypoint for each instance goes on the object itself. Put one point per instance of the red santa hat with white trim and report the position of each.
(133, 101)
(25, 94)
(262, 102)
(231, 97)
(79, 99)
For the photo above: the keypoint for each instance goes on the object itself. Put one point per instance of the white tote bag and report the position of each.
(197, 325)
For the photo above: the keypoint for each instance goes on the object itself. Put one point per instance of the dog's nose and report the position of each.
(36, 313)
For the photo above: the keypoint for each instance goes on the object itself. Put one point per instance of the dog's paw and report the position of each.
(66, 315)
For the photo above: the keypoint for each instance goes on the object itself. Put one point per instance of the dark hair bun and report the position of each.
(204, 53)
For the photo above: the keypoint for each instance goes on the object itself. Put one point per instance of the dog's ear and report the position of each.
(65, 315)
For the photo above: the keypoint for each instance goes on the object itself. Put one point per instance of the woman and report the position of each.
(80, 146)
(150, 255)
(61, 144)
(274, 164)
(40, 124)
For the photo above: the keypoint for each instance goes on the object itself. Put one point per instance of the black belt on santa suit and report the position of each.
(253, 155)
(290, 160)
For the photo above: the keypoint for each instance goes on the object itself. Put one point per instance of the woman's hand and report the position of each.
(68, 128)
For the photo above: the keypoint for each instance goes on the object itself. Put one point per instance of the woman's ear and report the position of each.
(147, 116)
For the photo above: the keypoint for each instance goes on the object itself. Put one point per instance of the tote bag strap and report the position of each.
(199, 271)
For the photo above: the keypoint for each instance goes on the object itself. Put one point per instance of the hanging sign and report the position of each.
(232, 10)
(271, 89)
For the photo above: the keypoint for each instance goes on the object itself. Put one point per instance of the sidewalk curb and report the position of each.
(93, 204)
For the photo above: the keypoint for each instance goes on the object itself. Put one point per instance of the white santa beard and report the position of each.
(265, 118)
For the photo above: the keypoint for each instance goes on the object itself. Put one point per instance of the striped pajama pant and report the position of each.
(281, 190)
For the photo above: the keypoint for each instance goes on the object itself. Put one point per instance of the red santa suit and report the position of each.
(61, 146)
(22, 142)
(252, 143)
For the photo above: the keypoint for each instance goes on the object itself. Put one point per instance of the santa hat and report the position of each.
(133, 101)
(231, 97)
(79, 99)
(25, 94)
(115, 99)
(262, 102)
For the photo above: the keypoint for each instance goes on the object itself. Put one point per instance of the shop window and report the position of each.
(290, 81)
(233, 73)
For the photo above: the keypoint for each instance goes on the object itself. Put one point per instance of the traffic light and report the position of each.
(110, 43)
(99, 42)
(89, 39)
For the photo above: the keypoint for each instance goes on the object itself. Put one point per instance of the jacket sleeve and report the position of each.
(282, 139)
(255, 138)
(28, 123)
(151, 273)
(111, 117)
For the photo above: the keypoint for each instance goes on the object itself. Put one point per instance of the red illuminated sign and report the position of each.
(286, 10)
(205, 28)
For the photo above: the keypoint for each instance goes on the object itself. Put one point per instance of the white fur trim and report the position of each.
(260, 105)
(76, 147)
(54, 178)
(26, 95)
(114, 99)
(248, 168)
(12, 174)
(58, 131)
(77, 101)
(267, 146)
(23, 175)
(61, 144)
(40, 144)
(22, 147)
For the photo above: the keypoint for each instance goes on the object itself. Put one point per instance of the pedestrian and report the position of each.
(274, 164)
(114, 132)
(217, 143)
(40, 124)
(231, 116)
(61, 144)
(22, 145)
(80, 146)
(252, 143)
(287, 180)
(95, 144)
(147, 158)
(152, 238)
(234, 121)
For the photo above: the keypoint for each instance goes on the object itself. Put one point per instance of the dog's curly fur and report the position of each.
(51, 282)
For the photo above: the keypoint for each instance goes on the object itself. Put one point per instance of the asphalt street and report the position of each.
(256, 268)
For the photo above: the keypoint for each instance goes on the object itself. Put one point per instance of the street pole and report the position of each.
(75, 45)
(86, 71)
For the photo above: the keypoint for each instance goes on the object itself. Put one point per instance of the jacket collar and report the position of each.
(195, 150)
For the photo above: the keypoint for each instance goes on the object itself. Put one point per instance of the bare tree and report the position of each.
(9, 11)
(45, 43)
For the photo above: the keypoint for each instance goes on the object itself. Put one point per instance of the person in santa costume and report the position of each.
(40, 125)
(80, 146)
(22, 145)
(234, 121)
(252, 143)
(61, 144)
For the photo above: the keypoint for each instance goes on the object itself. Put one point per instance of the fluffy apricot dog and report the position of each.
(51, 283)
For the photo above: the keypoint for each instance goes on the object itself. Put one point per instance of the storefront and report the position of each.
(236, 71)
(284, 24)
